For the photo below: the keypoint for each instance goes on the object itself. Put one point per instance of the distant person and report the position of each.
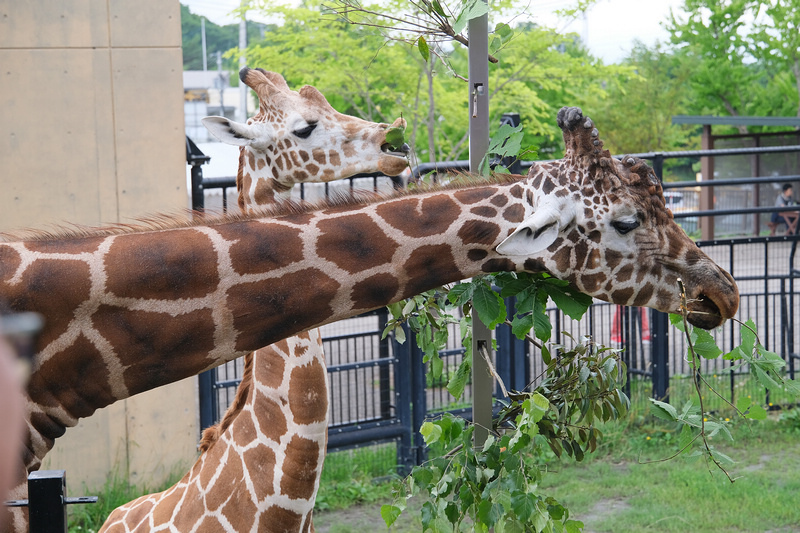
(784, 200)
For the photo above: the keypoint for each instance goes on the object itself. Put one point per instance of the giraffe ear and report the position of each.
(235, 133)
(538, 231)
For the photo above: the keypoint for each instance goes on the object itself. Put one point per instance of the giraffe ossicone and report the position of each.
(118, 302)
(298, 137)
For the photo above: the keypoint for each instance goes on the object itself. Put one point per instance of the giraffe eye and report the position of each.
(624, 226)
(303, 133)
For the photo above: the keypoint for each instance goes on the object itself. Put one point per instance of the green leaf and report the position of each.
(430, 432)
(424, 51)
(400, 334)
(458, 381)
(541, 322)
(460, 294)
(705, 346)
(686, 436)
(503, 30)
(390, 514)
(663, 410)
(489, 512)
(523, 504)
(438, 8)
(573, 303)
(395, 137)
(756, 412)
(521, 325)
(677, 321)
(490, 307)
(472, 10)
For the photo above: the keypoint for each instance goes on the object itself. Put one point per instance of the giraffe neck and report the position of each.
(261, 472)
(144, 309)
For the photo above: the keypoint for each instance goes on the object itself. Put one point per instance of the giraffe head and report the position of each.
(603, 225)
(297, 136)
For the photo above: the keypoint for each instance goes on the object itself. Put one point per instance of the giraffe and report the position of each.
(237, 461)
(235, 485)
(139, 307)
(298, 137)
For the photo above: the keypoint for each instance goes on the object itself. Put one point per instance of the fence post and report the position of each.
(511, 362)
(47, 509)
(206, 397)
(411, 405)
(384, 379)
(196, 158)
(659, 325)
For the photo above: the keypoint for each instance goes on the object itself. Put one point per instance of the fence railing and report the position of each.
(379, 392)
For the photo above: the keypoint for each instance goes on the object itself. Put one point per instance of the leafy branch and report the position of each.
(695, 423)
(432, 23)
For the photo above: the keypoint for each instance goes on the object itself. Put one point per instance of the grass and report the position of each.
(685, 494)
(628, 485)
(89, 517)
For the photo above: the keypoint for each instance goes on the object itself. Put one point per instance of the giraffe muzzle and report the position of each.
(714, 303)
(401, 151)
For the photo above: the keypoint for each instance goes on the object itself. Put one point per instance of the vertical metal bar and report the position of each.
(402, 392)
(383, 371)
(47, 493)
(419, 396)
(208, 405)
(198, 196)
(707, 193)
(659, 335)
(478, 29)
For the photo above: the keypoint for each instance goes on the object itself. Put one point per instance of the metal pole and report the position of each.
(241, 114)
(203, 43)
(478, 29)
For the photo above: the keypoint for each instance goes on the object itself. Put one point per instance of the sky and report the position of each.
(610, 28)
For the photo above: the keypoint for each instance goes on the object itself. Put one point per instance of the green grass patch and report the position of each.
(89, 518)
(361, 475)
(630, 486)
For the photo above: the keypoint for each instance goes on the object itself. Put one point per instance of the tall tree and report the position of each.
(713, 44)
(778, 48)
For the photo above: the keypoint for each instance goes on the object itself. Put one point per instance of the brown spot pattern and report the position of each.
(263, 194)
(354, 243)
(374, 291)
(478, 232)
(474, 195)
(53, 383)
(258, 249)
(9, 262)
(270, 310)
(162, 265)
(300, 468)
(288, 520)
(142, 338)
(262, 470)
(484, 211)
(426, 266)
(432, 216)
(308, 397)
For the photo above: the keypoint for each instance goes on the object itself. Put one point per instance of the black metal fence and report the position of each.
(379, 391)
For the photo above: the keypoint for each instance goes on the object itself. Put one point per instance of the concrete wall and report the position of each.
(91, 132)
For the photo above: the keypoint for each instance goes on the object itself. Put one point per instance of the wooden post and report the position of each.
(707, 193)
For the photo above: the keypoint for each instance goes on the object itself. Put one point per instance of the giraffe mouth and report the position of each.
(704, 313)
(401, 151)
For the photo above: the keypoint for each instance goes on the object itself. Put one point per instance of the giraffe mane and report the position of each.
(211, 434)
(188, 219)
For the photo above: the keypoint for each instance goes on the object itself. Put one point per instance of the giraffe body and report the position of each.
(280, 481)
(139, 309)
(235, 485)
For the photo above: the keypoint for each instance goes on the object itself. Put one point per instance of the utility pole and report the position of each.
(478, 29)
(241, 114)
(220, 84)
(203, 43)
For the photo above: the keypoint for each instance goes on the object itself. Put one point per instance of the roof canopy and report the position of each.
(736, 121)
